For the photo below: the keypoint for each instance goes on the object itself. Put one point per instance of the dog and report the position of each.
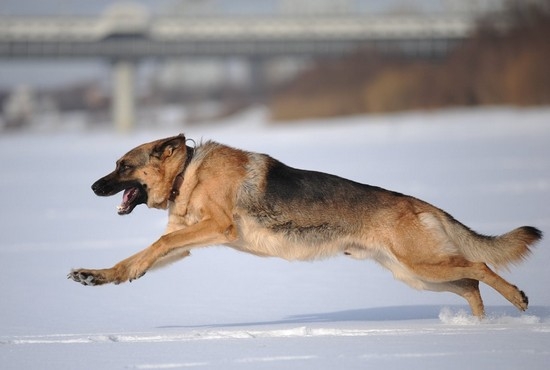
(219, 195)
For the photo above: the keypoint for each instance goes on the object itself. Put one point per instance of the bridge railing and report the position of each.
(242, 28)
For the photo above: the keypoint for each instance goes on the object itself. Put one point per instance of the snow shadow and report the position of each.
(393, 313)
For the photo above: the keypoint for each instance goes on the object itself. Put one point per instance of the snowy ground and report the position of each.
(221, 309)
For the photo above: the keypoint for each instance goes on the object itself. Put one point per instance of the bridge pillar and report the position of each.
(122, 105)
(258, 78)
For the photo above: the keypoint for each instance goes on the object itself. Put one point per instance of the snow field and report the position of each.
(222, 309)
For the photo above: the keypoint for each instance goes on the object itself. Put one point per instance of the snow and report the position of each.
(221, 309)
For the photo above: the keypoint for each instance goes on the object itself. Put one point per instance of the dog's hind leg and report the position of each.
(511, 292)
(467, 289)
(455, 271)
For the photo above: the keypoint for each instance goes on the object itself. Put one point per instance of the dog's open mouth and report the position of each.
(131, 197)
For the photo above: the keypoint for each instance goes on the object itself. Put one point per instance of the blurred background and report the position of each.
(172, 63)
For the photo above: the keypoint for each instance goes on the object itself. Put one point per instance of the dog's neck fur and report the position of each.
(180, 176)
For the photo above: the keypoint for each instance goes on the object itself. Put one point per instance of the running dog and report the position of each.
(218, 195)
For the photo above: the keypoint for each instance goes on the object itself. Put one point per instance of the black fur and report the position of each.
(289, 190)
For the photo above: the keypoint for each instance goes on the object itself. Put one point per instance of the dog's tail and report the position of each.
(498, 251)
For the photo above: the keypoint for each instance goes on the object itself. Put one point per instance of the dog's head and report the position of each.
(146, 174)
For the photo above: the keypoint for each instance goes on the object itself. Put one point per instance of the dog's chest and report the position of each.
(180, 217)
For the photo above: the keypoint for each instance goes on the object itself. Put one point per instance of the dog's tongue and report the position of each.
(127, 198)
(128, 195)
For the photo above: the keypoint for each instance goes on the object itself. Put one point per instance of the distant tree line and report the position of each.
(505, 62)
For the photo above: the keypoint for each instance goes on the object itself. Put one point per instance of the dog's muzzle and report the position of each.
(102, 188)
(134, 193)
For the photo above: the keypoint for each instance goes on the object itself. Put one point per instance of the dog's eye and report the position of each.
(123, 167)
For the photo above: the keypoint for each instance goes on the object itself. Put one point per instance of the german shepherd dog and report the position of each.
(218, 195)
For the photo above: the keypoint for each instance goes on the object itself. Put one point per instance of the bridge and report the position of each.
(126, 35)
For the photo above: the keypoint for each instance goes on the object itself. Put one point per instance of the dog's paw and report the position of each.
(521, 301)
(87, 277)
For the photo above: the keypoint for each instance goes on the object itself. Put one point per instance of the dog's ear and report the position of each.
(165, 148)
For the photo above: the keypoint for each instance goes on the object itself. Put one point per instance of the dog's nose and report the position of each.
(98, 185)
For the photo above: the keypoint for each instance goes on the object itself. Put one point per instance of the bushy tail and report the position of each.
(498, 251)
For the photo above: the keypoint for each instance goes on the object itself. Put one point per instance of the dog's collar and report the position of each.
(179, 177)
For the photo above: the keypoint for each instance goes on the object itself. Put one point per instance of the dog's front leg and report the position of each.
(99, 276)
(176, 243)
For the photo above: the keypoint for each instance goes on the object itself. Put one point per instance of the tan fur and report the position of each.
(255, 204)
